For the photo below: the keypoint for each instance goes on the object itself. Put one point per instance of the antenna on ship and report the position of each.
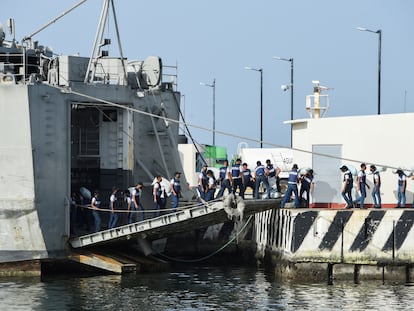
(10, 24)
(101, 42)
(29, 37)
(317, 104)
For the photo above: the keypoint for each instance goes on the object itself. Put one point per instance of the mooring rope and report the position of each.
(212, 254)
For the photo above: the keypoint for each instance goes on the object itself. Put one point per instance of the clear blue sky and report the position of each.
(217, 39)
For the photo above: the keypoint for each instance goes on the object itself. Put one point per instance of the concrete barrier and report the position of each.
(358, 238)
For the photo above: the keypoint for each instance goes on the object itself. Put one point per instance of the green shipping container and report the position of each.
(215, 155)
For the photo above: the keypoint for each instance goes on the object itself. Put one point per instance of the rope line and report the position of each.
(244, 138)
(148, 210)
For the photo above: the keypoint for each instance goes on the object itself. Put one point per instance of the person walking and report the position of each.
(224, 177)
(211, 186)
(361, 186)
(202, 182)
(236, 178)
(306, 185)
(158, 196)
(402, 185)
(136, 204)
(247, 180)
(261, 178)
(113, 203)
(176, 189)
(347, 185)
(272, 174)
(129, 203)
(96, 205)
(376, 195)
(292, 187)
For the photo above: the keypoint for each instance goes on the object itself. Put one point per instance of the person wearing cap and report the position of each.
(236, 178)
(202, 182)
(175, 189)
(261, 178)
(224, 177)
(402, 185)
(113, 203)
(347, 184)
(361, 184)
(376, 195)
(96, 205)
(292, 187)
(136, 205)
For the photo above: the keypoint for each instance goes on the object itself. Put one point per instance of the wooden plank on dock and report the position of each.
(104, 262)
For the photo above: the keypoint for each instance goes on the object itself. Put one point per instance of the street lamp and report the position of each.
(261, 101)
(213, 86)
(379, 32)
(291, 90)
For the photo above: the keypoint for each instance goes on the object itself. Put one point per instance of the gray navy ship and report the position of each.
(70, 123)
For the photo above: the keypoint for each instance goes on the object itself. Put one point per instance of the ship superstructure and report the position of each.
(69, 122)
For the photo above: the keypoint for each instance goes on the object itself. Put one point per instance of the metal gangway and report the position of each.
(182, 220)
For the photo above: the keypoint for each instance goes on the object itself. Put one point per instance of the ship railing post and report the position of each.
(342, 240)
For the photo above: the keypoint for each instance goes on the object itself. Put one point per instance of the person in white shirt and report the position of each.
(159, 196)
(362, 185)
(347, 185)
(113, 203)
(224, 177)
(96, 204)
(402, 185)
(175, 189)
(211, 186)
(376, 195)
(202, 182)
(137, 206)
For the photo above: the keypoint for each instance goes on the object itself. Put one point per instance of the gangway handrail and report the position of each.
(172, 222)
(125, 231)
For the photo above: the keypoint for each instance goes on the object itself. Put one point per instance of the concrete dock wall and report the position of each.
(357, 243)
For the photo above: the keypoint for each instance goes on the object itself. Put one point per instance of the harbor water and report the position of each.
(199, 288)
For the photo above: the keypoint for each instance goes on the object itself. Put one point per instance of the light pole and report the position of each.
(261, 101)
(213, 86)
(379, 32)
(291, 90)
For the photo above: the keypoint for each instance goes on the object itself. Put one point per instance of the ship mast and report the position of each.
(100, 42)
(313, 102)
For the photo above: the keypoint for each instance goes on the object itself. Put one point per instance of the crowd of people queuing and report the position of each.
(236, 178)
(239, 177)
(362, 186)
(128, 210)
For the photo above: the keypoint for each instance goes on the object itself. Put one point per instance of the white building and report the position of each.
(325, 144)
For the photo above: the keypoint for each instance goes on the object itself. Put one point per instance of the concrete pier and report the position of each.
(326, 244)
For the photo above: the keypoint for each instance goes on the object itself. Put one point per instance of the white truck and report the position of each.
(280, 157)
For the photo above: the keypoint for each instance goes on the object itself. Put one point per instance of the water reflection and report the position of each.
(199, 288)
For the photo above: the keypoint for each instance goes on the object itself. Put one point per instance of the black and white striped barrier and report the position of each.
(373, 236)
